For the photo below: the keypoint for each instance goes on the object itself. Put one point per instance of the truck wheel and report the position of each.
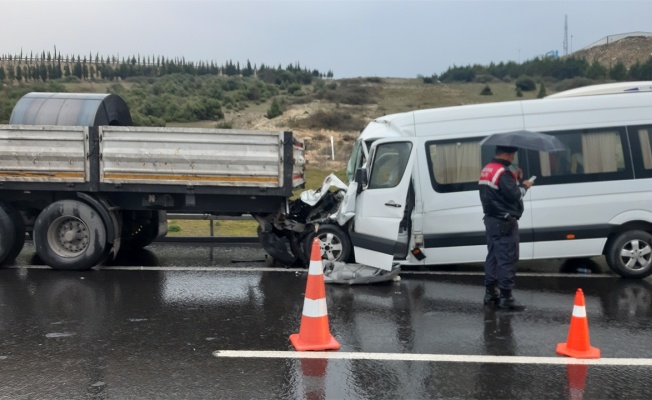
(140, 231)
(70, 235)
(7, 235)
(629, 254)
(19, 231)
(334, 243)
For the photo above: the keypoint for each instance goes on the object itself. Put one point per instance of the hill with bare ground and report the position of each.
(628, 50)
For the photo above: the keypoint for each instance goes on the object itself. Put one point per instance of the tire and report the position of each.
(277, 245)
(70, 235)
(19, 231)
(140, 232)
(629, 254)
(334, 243)
(7, 236)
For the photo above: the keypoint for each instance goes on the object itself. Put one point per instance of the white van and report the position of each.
(413, 196)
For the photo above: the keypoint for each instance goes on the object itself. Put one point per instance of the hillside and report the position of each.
(628, 50)
(392, 95)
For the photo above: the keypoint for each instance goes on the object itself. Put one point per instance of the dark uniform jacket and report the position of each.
(500, 193)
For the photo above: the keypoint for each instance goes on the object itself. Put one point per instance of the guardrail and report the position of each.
(211, 218)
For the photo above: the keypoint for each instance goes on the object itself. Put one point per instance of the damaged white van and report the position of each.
(413, 192)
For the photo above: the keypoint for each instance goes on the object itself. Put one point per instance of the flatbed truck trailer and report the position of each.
(84, 191)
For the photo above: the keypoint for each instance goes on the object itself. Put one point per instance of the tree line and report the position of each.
(550, 68)
(47, 66)
(161, 89)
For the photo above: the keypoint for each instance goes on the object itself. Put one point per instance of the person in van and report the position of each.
(501, 195)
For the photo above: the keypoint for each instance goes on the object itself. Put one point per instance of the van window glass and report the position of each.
(589, 152)
(456, 165)
(646, 149)
(456, 162)
(389, 162)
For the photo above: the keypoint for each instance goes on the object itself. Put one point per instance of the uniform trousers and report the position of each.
(502, 243)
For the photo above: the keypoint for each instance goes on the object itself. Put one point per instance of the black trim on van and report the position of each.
(579, 232)
(526, 236)
(385, 246)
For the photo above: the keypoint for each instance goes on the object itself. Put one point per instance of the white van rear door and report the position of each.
(381, 205)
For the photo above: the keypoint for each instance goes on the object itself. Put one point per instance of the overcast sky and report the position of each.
(351, 38)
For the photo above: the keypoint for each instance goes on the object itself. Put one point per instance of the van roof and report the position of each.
(456, 121)
(607, 88)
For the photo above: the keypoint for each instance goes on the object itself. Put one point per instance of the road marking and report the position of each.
(305, 270)
(431, 357)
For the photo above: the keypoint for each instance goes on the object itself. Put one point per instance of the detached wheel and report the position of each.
(629, 254)
(334, 243)
(70, 235)
(7, 236)
(277, 245)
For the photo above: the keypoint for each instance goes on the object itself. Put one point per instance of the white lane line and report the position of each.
(431, 357)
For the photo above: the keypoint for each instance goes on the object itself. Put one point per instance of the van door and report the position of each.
(381, 205)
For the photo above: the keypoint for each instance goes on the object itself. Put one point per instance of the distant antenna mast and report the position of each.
(565, 35)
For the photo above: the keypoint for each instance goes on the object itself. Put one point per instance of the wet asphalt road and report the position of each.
(173, 322)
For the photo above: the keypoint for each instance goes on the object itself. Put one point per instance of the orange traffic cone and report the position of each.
(314, 333)
(578, 345)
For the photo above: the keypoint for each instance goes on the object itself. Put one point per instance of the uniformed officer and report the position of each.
(501, 195)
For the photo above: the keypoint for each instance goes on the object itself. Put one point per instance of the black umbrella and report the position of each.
(525, 140)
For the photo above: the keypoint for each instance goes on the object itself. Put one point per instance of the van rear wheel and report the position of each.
(629, 254)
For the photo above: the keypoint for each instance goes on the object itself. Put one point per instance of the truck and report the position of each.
(79, 179)
(412, 196)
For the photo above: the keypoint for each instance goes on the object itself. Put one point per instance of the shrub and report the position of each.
(542, 91)
(519, 92)
(174, 228)
(335, 120)
(486, 91)
(526, 84)
(275, 109)
(224, 125)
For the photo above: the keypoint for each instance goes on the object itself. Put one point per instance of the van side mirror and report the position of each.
(361, 178)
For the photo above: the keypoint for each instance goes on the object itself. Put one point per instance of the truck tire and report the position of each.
(334, 243)
(7, 236)
(70, 235)
(629, 254)
(19, 231)
(140, 231)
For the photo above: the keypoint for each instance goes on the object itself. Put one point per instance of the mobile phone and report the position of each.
(532, 178)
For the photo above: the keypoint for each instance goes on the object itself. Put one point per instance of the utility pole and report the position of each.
(566, 35)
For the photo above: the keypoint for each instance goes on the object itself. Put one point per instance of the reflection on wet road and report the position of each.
(149, 328)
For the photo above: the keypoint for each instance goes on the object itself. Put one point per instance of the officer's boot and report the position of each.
(508, 302)
(491, 295)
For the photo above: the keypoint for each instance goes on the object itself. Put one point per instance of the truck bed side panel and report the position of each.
(43, 154)
(192, 157)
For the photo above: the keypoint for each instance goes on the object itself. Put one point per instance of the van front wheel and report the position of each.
(334, 243)
(629, 254)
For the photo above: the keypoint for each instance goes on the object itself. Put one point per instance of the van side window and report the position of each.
(588, 153)
(455, 165)
(646, 148)
(389, 162)
(593, 154)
